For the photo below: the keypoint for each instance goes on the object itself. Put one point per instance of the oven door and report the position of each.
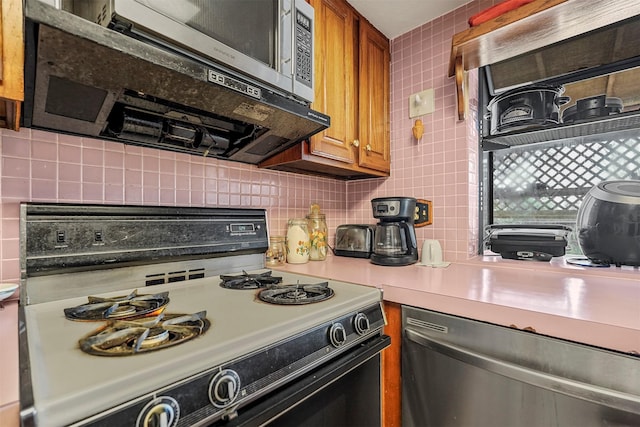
(345, 391)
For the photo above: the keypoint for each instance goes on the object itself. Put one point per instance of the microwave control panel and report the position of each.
(304, 49)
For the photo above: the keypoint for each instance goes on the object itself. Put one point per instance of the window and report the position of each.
(540, 175)
(544, 183)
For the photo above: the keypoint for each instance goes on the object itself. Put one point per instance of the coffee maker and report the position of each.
(394, 238)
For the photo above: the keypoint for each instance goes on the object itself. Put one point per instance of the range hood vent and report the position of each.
(87, 80)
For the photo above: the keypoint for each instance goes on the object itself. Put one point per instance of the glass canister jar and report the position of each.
(297, 241)
(277, 252)
(318, 236)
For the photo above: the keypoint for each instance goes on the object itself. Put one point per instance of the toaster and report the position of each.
(354, 240)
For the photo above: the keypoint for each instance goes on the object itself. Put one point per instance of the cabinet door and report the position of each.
(11, 63)
(374, 149)
(335, 79)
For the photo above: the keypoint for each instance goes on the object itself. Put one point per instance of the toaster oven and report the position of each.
(354, 240)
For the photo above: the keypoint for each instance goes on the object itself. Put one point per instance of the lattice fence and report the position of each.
(549, 180)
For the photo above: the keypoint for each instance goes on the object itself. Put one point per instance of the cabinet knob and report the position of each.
(368, 147)
(356, 143)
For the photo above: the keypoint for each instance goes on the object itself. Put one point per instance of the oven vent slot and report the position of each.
(197, 273)
(174, 276)
(427, 325)
(154, 279)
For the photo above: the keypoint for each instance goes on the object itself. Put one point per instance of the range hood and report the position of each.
(83, 79)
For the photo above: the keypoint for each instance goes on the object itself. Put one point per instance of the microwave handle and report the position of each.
(287, 25)
(588, 392)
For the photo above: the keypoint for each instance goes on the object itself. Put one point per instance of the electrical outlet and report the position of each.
(424, 213)
(421, 103)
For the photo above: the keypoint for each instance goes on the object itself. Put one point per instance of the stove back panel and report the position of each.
(64, 238)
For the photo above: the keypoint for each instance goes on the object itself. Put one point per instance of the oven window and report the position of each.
(352, 400)
(248, 26)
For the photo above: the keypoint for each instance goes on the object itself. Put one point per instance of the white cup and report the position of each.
(431, 252)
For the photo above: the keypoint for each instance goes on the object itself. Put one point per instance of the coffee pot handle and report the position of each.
(411, 232)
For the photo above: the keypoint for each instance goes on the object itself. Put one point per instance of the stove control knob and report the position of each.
(337, 334)
(163, 411)
(361, 323)
(224, 388)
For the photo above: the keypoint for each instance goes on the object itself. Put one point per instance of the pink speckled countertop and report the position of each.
(597, 306)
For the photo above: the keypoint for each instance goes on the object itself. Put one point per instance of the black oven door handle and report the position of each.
(300, 389)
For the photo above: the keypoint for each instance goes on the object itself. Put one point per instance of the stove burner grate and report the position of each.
(129, 337)
(296, 294)
(122, 307)
(249, 281)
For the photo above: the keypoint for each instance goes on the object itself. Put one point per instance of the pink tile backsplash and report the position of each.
(442, 166)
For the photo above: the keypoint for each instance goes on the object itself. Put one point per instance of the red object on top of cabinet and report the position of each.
(495, 11)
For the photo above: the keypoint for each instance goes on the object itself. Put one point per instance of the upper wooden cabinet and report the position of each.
(11, 63)
(336, 77)
(352, 86)
(374, 148)
(520, 39)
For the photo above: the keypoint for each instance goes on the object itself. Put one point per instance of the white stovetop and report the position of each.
(70, 385)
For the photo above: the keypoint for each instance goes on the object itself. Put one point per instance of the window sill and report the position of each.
(558, 265)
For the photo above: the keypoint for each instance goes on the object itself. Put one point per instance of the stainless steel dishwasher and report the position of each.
(461, 372)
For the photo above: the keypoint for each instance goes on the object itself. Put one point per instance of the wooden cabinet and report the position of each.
(336, 78)
(391, 372)
(374, 147)
(352, 86)
(11, 63)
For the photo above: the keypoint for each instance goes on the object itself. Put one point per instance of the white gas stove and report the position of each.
(249, 349)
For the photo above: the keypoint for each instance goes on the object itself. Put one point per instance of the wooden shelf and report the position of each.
(530, 28)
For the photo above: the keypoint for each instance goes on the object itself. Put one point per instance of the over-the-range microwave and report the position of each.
(269, 40)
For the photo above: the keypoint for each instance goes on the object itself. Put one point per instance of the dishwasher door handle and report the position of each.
(592, 393)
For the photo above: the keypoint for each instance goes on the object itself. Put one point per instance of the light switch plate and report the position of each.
(421, 103)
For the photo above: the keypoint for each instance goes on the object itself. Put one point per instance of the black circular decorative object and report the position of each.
(608, 223)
